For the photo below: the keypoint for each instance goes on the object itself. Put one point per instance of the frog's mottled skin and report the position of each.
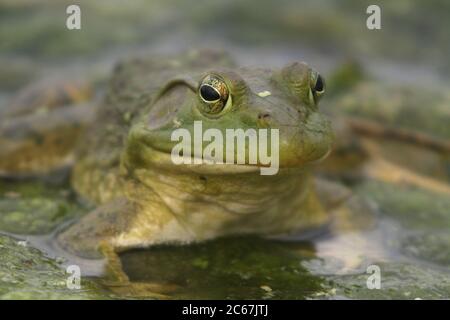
(145, 199)
(123, 161)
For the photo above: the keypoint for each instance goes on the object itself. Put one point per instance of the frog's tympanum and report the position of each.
(122, 162)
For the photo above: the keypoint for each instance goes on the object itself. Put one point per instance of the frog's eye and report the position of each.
(209, 94)
(317, 87)
(213, 91)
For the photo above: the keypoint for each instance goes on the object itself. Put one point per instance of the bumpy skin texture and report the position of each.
(144, 199)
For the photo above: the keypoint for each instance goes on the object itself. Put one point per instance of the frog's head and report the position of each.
(246, 98)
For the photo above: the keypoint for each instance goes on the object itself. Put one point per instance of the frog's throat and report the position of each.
(241, 191)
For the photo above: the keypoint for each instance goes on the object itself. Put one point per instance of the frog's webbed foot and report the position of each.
(118, 281)
(94, 237)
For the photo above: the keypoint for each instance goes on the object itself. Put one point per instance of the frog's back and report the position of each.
(134, 85)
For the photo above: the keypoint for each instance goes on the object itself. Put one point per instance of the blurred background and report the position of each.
(411, 46)
(398, 76)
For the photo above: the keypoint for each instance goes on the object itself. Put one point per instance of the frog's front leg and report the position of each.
(115, 227)
(118, 281)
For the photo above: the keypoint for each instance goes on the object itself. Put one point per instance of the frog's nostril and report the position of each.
(264, 116)
(264, 119)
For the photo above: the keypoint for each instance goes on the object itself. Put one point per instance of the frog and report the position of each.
(118, 152)
(145, 199)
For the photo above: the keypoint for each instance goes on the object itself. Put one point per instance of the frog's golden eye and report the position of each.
(213, 91)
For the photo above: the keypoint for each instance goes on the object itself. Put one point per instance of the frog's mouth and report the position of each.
(295, 148)
(164, 159)
(149, 156)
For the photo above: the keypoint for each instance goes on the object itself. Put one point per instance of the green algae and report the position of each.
(35, 207)
(26, 273)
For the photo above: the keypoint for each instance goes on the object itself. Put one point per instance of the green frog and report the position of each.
(120, 154)
(145, 199)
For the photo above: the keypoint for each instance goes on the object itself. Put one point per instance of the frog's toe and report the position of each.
(116, 280)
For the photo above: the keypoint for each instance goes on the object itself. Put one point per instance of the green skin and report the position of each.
(124, 165)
